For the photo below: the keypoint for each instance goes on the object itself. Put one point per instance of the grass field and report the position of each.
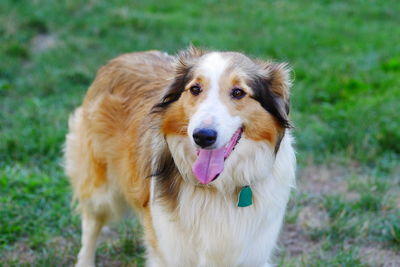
(345, 102)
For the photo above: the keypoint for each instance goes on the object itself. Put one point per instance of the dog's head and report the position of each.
(216, 98)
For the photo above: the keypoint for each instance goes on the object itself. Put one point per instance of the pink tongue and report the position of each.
(209, 164)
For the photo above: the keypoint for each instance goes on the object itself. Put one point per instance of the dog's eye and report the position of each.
(195, 90)
(238, 93)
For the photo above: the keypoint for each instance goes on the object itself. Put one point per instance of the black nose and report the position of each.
(204, 137)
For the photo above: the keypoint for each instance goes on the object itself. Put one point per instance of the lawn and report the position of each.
(345, 100)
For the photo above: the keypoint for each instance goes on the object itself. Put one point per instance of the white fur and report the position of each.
(210, 229)
(211, 112)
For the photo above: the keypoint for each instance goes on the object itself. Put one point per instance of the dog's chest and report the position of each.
(210, 230)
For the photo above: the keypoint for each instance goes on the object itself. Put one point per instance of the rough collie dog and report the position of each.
(198, 145)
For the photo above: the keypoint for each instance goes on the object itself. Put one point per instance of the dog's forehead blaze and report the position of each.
(212, 66)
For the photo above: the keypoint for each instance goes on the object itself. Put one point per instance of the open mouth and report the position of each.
(210, 162)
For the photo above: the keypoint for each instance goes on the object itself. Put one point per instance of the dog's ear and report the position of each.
(188, 56)
(278, 75)
(271, 88)
(183, 74)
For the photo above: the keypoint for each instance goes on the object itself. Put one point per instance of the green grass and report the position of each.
(346, 64)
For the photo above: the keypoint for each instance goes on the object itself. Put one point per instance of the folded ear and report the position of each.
(271, 88)
(187, 56)
(278, 75)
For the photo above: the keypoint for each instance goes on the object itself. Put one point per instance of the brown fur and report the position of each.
(107, 128)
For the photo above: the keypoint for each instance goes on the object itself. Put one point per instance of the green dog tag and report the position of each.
(245, 197)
